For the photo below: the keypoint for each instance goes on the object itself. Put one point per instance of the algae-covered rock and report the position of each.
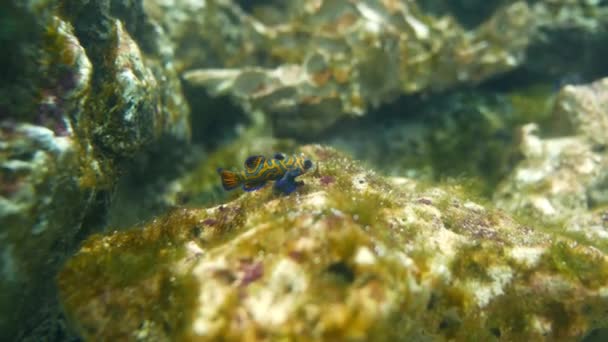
(439, 138)
(583, 109)
(568, 42)
(42, 208)
(350, 255)
(308, 64)
(570, 39)
(85, 88)
(565, 174)
(322, 61)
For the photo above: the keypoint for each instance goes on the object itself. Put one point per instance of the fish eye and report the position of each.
(307, 164)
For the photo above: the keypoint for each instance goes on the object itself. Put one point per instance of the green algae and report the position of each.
(474, 133)
(534, 103)
(558, 227)
(365, 209)
(136, 271)
(474, 261)
(584, 265)
(582, 238)
(466, 137)
(339, 251)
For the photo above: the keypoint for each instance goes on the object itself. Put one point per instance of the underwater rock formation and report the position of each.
(438, 138)
(307, 64)
(322, 62)
(88, 87)
(351, 255)
(570, 39)
(564, 175)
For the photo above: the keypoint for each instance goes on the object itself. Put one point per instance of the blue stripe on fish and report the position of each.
(259, 170)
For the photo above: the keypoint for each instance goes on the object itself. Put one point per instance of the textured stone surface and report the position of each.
(438, 138)
(351, 255)
(308, 64)
(88, 86)
(583, 108)
(321, 62)
(570, 39)
(565, 175)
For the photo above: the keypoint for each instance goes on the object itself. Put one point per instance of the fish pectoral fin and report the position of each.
(279, 156)
(252, 186)
(287, 184)
(252, 162)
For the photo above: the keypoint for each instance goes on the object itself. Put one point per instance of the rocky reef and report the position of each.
(309, 64)
(352, 255)
(478, 209)
(428, 143)
(321, 63)
(88, 87)
(562, 178)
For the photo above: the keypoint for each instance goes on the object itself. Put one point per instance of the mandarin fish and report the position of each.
(259, 170)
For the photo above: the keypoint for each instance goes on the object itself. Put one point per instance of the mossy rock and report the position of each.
(87, 88)
(349, 256)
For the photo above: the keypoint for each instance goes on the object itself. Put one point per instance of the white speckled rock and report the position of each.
(319, 63)
(86, 97)
(334, 261)
(562, 178)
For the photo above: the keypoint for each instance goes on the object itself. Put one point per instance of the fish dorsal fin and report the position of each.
(252, 163)
(279, 156)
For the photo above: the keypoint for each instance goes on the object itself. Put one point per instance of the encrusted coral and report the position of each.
(351, 255)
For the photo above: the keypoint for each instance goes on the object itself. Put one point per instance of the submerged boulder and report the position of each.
(88, 87)
(350, 255)
(562, 179)
(309, 64)
(563, 173)
(326, 60)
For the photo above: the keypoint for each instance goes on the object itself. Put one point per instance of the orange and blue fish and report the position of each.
(259, 170)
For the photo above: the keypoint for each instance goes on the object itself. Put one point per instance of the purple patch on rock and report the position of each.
(50, 113)
(68, 81)
(326, 180)
(251, 272)
(209, 222)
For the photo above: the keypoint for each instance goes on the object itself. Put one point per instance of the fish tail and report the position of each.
(230, 179)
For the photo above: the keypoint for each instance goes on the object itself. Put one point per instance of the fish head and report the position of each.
(307, 164)
(304, 163)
